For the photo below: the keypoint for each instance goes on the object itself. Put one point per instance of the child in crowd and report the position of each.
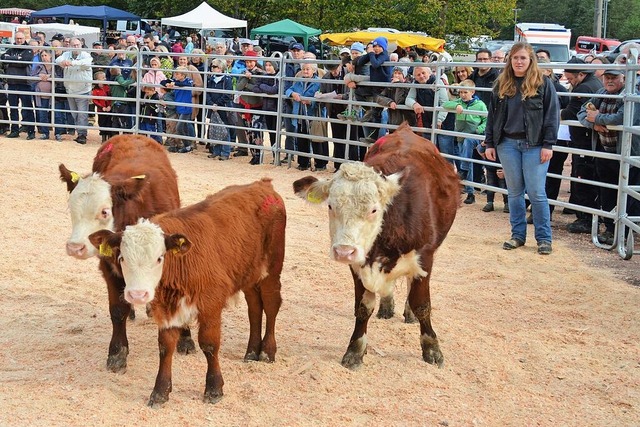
(149, 112)
(99, 93)
(167, 97)
(392, 96)
(120, 108)
(182, 85)
(468, 123)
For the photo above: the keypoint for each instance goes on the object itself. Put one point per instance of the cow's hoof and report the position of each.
(251, 356)
(433, 356)
(212, 396)
(117, 363)
(264, 357)
(132, 314)
(158, 399)
(351, 360)
(384, 313)
(409, 317)
(186, 345)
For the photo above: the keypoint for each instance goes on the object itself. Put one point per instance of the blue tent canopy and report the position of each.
(102, 13)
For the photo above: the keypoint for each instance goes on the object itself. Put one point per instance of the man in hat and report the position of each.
(582, 81)
(296, 51)
(597, 114)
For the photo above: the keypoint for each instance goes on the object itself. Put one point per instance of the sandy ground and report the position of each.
(527, 340)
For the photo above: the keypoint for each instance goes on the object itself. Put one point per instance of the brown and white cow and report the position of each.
(187, 263)
(387, 217)
(131, 178)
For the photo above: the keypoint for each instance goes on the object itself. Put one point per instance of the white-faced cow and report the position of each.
(387, 217)
(131, 178)
(187, 263)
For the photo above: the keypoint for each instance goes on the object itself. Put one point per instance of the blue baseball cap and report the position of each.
(358, 47)
(297, 46)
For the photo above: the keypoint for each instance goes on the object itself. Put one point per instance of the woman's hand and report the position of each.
(491, 154)
(545, 155)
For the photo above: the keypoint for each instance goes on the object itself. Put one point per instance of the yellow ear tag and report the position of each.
(139, 177)
(105, 250)
(75, 177)
(313, 197)
(180, 243)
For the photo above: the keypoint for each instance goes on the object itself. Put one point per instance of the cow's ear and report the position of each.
(311, 190)
(177, 243)
(71, 178)
(390, 186)
(128, 188)
(107, 242)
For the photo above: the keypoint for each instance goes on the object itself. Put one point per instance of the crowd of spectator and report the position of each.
(227, 95)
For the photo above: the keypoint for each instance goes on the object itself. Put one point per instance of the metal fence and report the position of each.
(625, 225)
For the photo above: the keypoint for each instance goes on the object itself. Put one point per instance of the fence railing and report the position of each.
(626, 225)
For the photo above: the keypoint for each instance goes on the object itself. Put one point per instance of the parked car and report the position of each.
(503, 45)
(615, 52)
(595, 45)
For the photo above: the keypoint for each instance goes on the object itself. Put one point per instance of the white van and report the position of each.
(133, 28)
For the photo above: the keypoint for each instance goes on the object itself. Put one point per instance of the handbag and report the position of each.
(217, 128)
(318, 129)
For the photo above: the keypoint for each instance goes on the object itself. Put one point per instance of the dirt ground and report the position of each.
(527, 340)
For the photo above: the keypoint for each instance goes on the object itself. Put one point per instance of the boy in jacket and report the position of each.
(468, 121)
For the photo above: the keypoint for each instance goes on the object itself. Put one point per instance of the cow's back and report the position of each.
(429, 197)
(233, 233)
(126, 156)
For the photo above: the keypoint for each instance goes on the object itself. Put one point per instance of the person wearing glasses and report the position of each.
(78, 76)
(482, 76)
(17, 66)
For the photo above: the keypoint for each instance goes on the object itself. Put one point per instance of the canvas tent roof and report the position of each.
(89, 34)
(286, 27)
(204, 17)
(15, 11)
(399, 39)
(103, 13)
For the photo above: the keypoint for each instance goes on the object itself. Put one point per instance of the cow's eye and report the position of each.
(120, 259)
(160, 259)
(374, 210)
(330, 208)
(106, 213)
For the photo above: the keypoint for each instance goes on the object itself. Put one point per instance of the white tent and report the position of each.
(204, 17)
(89, 34)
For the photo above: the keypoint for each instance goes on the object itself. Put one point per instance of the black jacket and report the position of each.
(17, 62)
(541, 120)
(580, 136)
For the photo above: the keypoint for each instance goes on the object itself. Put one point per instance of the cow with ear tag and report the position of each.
(131, 178)
(387, 217)
(187, 263)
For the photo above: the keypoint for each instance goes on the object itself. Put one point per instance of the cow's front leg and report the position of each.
(209, 340)
(364, 304)
(420, 301)
(119, 310)
(167, 342)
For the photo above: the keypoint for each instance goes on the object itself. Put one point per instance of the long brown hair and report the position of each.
(533, 78)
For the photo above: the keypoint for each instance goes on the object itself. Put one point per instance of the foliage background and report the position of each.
(436, 17)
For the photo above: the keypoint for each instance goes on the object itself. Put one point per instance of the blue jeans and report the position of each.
(151, 127)
(185, 127)
(446, 145)
(60, 115)
(26, 108)
(223, 150)
(466, 148)
(80, 111)
(43, 116)
(524, 173)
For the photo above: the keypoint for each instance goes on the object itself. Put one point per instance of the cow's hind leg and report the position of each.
(119, 310)
(364, 304)
(185, 342)
(167, 342)
(420, 302)
(209, 340)
(254, 308)
(387, 307)
(271, 301)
